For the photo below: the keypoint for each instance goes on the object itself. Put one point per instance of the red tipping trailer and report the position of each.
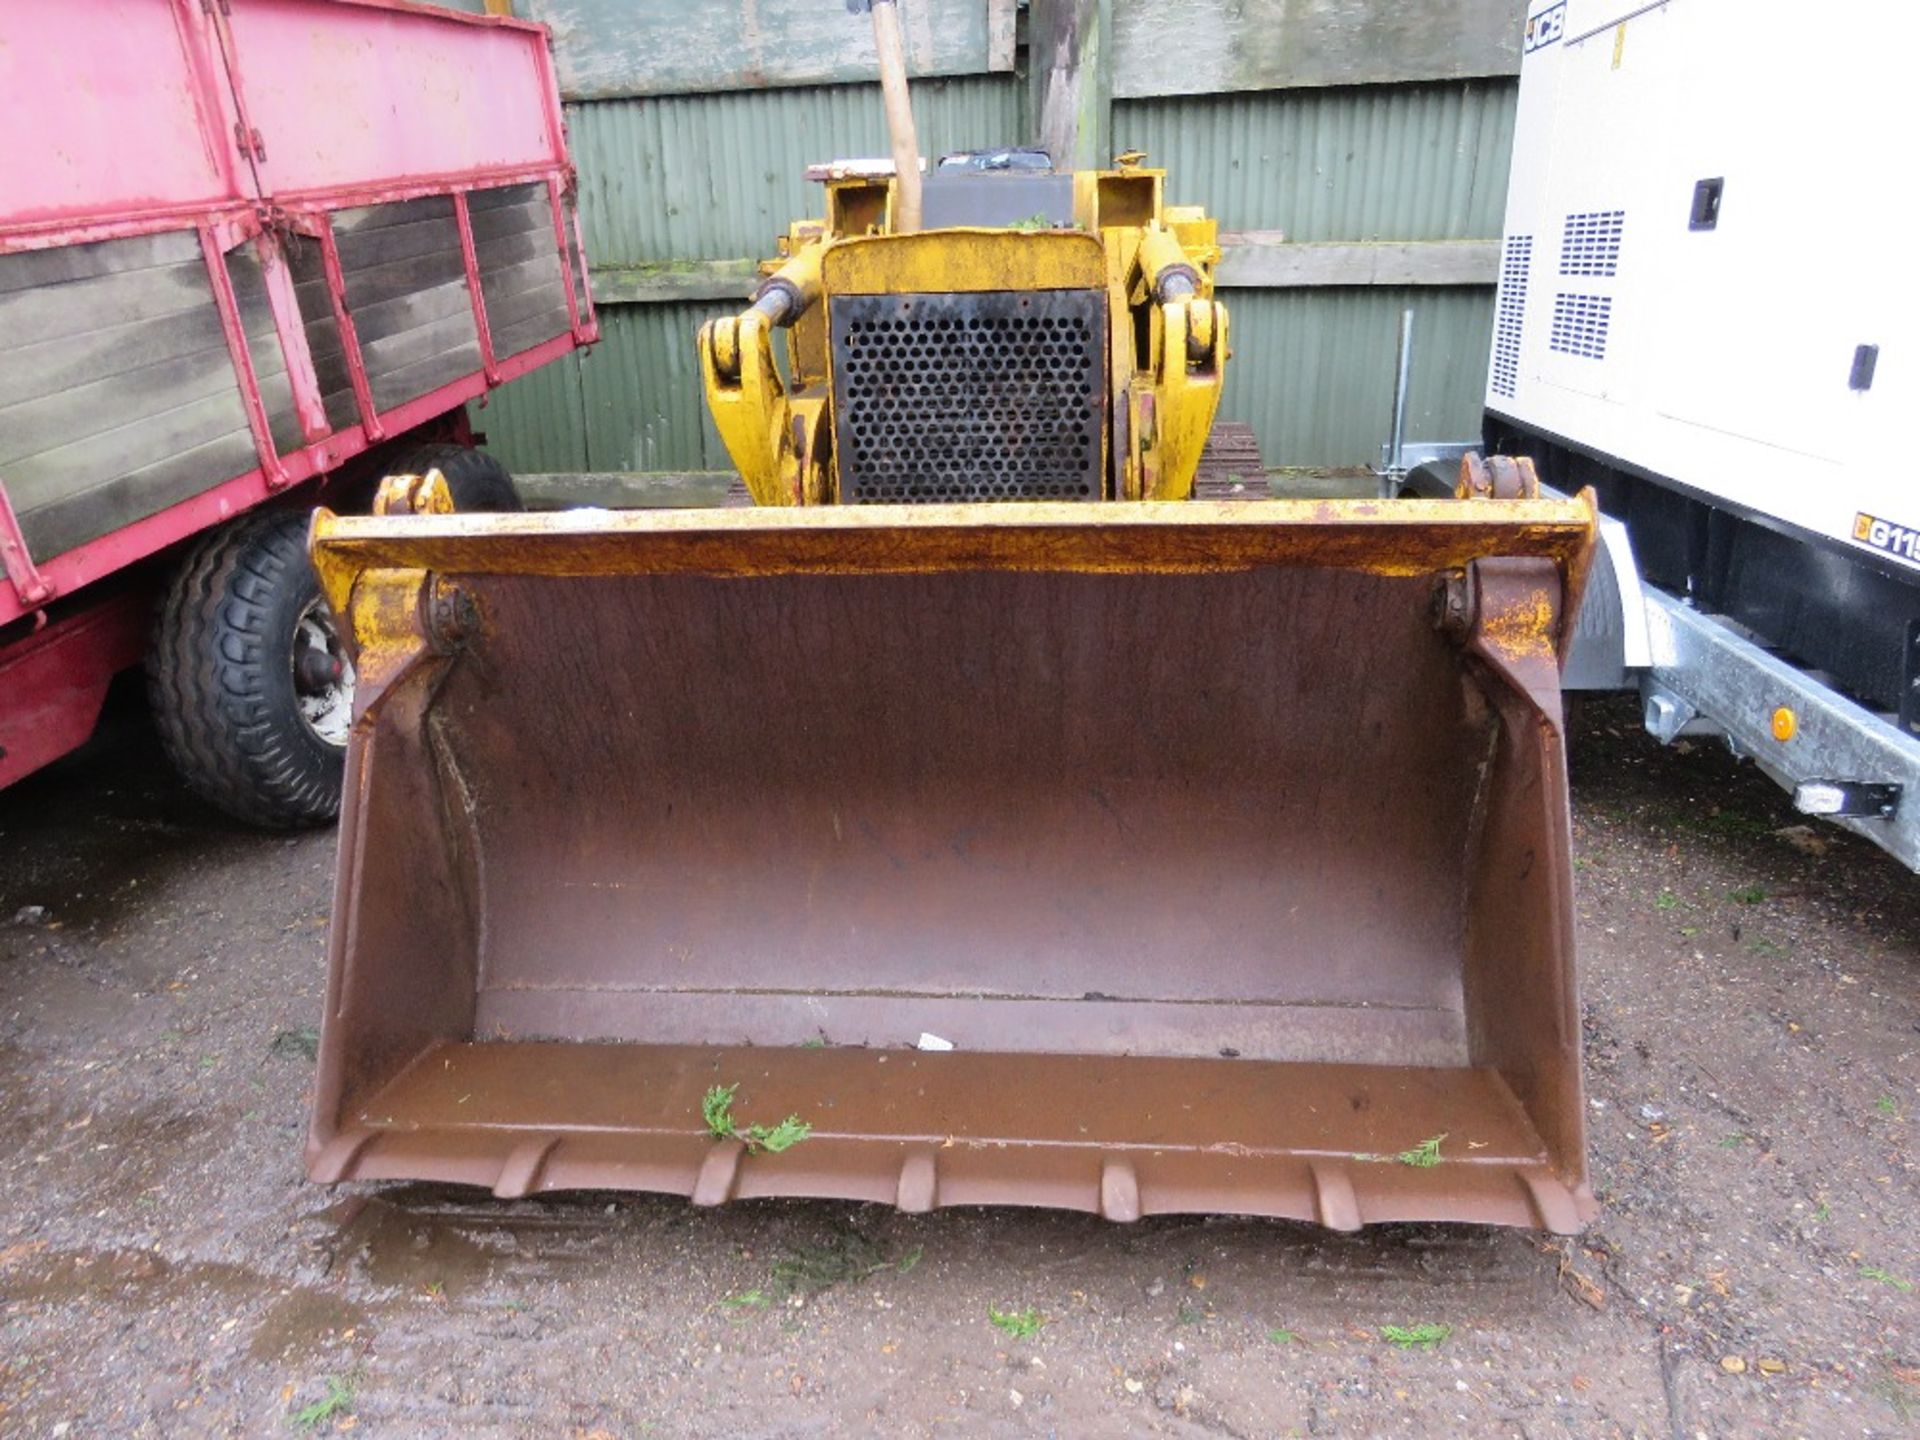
(253, 254)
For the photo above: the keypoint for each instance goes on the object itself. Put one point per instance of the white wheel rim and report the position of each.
(326, 708)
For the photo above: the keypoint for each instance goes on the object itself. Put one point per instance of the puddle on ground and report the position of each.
(303, 1322)
(451, 1243)
(400, 1248)
(31, 1273)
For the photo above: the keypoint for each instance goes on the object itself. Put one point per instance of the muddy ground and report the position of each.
(1752, 995)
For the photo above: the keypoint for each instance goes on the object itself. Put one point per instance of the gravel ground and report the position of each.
(1752, 1018)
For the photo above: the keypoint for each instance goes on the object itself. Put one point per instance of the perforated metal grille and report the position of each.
(1515, 262)
(994, 396)
(1580, 325)
(1590, 243)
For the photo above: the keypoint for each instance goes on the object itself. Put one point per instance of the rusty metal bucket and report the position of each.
(1226, 845)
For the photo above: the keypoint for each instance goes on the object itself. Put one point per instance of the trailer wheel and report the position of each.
(251, 690)
(476, 480)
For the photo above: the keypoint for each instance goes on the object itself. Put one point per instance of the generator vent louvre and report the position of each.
(1590, 243)
(1516, 259)
(1580, 325)
(989, 396)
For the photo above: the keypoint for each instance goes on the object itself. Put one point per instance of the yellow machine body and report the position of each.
(1131, 285)
(881, 844)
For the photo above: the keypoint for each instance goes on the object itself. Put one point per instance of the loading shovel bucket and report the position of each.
(1225, 844)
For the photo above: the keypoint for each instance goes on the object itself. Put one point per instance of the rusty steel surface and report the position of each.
(1231, 866)
(1385, 537)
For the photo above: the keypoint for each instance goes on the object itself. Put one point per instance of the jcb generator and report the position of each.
(976, 818)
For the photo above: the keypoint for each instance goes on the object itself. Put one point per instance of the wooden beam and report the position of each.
(624, 489)
(1068, 44)
(608, 49)
(1252, 261)
(1002, 34)
(1205, 47)
(674, 280)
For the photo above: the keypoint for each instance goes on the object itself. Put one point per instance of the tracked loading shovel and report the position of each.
(1227, 843)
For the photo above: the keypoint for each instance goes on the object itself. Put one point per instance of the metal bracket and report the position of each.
(1847, 799)
(1668, 717)
(426, 494)
(248, 141)
(1796, 728)
(1497, 477)
(213, 252)
(476, 291)
(33, 588)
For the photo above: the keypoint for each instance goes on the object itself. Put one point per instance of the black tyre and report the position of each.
(476, 480)
(252, 691)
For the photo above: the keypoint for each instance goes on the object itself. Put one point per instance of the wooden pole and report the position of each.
(1068, 43)
(893, 88)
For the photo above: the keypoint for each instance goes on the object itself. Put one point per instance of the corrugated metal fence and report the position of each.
(674, 186)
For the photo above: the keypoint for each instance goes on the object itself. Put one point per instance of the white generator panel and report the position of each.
(1707, 273)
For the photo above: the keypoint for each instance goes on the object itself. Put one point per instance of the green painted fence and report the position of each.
(674, 185)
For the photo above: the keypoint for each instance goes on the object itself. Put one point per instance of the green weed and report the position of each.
(844, 1258)
(1725, 822)
(1666, 900)
(1747, 894)
(1277, 1336)
(1019, 1324)
(1886, 1105)
(716, 1109)
(301, 1044)
(1423, 1156)
(1415, 1337)
(1874, 1272)
(337, 1401)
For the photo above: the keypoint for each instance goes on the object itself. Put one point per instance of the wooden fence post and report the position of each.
(1070, 59)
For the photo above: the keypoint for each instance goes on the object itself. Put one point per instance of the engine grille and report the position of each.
(991, 396)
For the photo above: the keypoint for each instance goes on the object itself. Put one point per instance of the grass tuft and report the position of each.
(847, 1257)
(1874, 1272)
(337, 1401)
(716, 1109)
(1424, 1336)
(1423, 1156)
(1020, 1324)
